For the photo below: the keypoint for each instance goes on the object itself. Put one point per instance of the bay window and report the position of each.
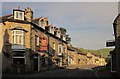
(18, 37)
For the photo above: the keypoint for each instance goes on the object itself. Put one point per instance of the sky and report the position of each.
(89, 24)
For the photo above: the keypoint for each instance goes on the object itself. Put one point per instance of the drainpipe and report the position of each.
(50, 58)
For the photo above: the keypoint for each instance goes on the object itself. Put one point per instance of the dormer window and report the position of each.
(41, 24)
(46, 23)
(58, 34)
(18, 14)
(55, 33)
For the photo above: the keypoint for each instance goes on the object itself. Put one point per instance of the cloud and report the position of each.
(82, 20)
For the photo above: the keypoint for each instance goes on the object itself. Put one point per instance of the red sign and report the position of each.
(43, 48)
(44, 44)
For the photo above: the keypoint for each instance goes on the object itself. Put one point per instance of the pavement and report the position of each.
(105, 73)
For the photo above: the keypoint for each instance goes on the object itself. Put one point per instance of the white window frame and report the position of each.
(41, 24)
(20, 17)
(58, 34)
(37, 41)
(16, 37)
(54, 46)
(61, 48)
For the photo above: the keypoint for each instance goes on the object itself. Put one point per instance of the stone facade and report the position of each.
(32, 44)
(77, 58)
(96, 60)
(29, 45)
(116, 26)
(11, 50)
(1, 44)
(70, 56)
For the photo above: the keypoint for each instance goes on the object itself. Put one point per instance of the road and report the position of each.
(66, 73)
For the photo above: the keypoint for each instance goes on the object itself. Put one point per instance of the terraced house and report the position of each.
(80, 57)
(31, 44)
(95, 59)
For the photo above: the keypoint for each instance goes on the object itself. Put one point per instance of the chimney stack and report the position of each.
(28, 14)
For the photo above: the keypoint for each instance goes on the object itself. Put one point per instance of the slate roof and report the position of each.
(78, 51)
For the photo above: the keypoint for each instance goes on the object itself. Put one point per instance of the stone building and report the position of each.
(116, 26)
(76, 57)
(57, 44)
(1, 44)
(95, 59)
(80, 57)
(70, 55)
(89, 58)
(16, 42)
(30, 44)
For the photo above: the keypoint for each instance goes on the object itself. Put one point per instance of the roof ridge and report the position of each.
(7, 15)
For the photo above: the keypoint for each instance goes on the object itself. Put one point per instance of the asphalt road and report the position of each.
(61, 73)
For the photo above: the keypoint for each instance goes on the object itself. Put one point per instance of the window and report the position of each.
(60, 48)
(16, 14)
(18, 37)
(53, 45)
(37, 41)
(58, 34)
(19, 15)
(46, 23)
(64, 50)
(55, 33)
(41, 23)
(40, 41)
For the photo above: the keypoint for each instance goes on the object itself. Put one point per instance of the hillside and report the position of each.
(104, 52)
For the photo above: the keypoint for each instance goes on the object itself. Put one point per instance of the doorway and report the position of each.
(35, 63)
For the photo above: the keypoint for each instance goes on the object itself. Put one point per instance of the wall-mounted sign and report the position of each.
(110, 43)
(44, 44)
